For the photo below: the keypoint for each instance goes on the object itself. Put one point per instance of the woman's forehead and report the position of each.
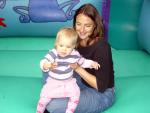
(84, 19)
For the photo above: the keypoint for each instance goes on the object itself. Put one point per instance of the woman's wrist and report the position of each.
(77, 69)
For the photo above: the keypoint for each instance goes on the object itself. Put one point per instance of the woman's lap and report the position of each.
(90, 101)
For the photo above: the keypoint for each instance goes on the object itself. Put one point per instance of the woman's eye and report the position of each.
(78, 24)
(88, 25)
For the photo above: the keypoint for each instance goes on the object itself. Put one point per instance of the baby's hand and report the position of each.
(95, 65)
(49, 65)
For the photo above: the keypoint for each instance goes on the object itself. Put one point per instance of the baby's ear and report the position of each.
(55, 45)
(74, 46)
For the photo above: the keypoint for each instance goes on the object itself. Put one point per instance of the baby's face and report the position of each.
(64, 46)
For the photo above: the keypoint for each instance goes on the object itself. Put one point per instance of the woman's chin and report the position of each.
(82, 37)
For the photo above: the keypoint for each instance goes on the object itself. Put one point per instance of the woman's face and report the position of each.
(84, 26)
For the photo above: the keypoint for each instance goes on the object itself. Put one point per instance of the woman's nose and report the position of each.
(82, 29)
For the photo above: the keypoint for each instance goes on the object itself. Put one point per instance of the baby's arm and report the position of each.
(83, 62)
(95, 65)
(87, 63)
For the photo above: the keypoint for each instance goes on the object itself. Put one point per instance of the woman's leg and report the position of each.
(92, 101)
(57, 105)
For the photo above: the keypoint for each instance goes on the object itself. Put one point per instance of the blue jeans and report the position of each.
(91, 101)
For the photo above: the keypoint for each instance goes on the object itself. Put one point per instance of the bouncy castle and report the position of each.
(28, 29)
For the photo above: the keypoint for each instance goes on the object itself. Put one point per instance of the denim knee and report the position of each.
(57, 105)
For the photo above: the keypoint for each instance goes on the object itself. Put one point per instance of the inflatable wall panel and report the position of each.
(39, 17)
(144, 27)
(123, 24)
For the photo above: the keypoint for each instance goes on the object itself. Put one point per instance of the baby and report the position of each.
(60, 82)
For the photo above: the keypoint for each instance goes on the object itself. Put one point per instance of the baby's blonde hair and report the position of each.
(69, 33)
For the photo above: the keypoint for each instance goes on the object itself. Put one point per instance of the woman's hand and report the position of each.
(74, 66)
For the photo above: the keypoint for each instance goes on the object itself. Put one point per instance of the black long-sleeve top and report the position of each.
(100, 52)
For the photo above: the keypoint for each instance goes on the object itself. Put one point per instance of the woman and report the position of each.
(96, 86)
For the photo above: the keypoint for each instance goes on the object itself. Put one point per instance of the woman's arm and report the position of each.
(89, 78)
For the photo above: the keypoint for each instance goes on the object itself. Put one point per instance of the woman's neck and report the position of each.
(86, 42)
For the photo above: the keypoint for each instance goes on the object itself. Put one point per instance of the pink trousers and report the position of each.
(58, 89)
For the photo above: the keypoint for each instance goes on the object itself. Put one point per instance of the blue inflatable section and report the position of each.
(144, 26)
(39, 17)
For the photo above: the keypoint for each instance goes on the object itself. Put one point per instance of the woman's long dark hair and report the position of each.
(90, 11)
